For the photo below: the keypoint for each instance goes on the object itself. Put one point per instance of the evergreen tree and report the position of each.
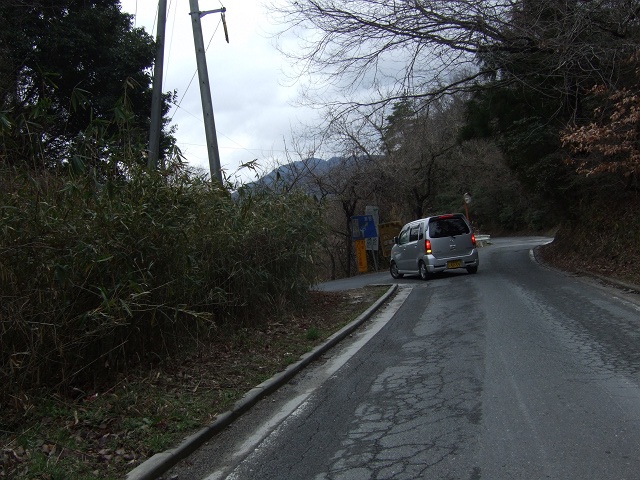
(74, 77)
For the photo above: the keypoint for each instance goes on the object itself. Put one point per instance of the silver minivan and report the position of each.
(434, 244)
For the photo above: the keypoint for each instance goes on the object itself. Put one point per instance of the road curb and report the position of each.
(162, 462)
(611, 281)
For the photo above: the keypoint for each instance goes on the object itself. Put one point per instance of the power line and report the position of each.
(194, 76)
(183, 96)
(195, 72)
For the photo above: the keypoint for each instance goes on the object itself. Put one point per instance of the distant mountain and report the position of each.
(302, 173)
(291, 171)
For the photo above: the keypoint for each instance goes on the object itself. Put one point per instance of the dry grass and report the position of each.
(577, 262)
(105, 431)
(608, 245)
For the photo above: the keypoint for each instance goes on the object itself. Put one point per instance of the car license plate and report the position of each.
(454, 264)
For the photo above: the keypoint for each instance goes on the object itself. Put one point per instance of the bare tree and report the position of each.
(348, 184)
(342, 183)
(420, 143)
(380, 51)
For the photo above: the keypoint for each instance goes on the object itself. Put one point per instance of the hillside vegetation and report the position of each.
(531, 107)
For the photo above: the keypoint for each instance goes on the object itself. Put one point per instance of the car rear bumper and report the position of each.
(435, 265)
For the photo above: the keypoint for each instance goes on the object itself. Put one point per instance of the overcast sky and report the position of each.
(252, 98)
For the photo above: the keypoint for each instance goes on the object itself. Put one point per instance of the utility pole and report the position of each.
(205, 88)
(156, 98)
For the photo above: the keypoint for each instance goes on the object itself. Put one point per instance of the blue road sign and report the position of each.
(363, 226)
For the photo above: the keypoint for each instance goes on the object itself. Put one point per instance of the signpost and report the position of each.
(372, 243)
(361, 255)
(363, 227)
(467, 201)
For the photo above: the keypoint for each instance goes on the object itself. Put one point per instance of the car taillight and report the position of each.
(473, 239)
(427, 245)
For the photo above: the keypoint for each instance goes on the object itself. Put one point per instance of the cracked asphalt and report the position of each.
(518, 372)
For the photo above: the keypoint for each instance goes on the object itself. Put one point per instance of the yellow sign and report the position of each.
(387, 231)
(361, 255)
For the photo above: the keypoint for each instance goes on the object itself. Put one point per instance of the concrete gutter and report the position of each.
(619, 284)
(162, 462)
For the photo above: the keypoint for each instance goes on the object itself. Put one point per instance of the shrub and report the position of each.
(95, 276)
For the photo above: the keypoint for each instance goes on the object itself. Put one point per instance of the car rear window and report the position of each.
(447, 227)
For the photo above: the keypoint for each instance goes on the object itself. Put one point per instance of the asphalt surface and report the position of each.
(517, 372)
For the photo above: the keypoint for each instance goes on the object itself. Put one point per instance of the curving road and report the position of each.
(517, 372)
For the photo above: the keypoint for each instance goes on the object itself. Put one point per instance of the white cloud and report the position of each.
(252, 108)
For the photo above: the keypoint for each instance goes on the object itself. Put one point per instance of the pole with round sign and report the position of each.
(467, 201)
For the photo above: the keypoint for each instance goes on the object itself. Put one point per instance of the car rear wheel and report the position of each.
(393, 269)
(424, 273)
(472, 269)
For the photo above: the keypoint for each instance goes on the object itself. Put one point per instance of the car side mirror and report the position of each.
(395, 240)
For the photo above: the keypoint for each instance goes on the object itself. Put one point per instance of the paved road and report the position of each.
(518, 372)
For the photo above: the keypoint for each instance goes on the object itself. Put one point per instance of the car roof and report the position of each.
(426, 219)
